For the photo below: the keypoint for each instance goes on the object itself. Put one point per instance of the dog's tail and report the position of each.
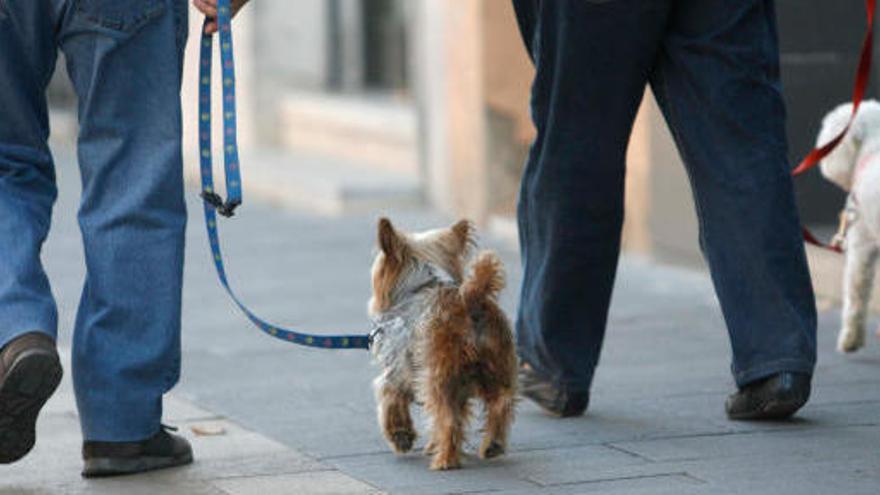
(485, 280)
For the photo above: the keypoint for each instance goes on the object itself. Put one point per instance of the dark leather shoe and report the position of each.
(162, 450)
(551, 398)
(776, 397)
(30, 371)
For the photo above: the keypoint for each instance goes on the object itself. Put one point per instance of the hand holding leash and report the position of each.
(209, 8)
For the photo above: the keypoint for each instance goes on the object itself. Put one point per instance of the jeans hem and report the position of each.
(132, 422)
(754, 373)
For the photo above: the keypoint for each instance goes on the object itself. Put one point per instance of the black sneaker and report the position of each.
(776, 397)
(162, 450)
(551, 398)
(30, 371)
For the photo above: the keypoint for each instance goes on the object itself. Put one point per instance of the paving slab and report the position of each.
(317, 483)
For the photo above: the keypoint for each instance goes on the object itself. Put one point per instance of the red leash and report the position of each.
(862, 77)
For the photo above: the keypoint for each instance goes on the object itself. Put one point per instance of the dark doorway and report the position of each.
(820, 41)
(368, 46)
(385, 44)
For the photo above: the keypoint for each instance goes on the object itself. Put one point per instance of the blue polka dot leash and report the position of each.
(213, 203)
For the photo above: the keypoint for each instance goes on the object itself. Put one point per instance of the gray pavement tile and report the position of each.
(674, 482)
(660, 485)
(113, 487)
(788, 474)
(254, 465)
(312, 483)
(177, 410)
(807, 443)
(592, 465)
(54, 460)
(410, 473)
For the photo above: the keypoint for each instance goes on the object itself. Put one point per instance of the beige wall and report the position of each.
(448, 62)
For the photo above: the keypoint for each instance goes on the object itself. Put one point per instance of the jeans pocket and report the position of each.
(126, 16)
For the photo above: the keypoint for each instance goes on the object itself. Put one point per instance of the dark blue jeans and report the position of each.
(713, 66)
(125, 60)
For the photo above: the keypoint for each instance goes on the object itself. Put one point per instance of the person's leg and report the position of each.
(30, 369)
(125, 59)
(593, 59)
(717, 81)
(27, 176)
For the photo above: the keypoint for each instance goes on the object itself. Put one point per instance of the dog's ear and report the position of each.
(464, 236)
(390, 241)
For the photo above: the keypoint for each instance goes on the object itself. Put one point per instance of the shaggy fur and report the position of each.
(441, 340)
(855, 167)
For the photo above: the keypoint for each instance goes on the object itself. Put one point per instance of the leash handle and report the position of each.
(863, 75)
(230, 144)
(213, 203)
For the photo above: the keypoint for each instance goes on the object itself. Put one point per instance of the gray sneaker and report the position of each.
(30, 371)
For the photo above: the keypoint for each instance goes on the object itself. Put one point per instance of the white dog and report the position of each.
(855, 167)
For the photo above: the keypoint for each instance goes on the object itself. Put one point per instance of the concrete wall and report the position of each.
(292, 42)
(507, 78)
(448, 61)
(660, 215)
(290, 50)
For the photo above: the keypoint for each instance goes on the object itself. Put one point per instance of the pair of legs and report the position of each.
(713, 67)
(125, 60)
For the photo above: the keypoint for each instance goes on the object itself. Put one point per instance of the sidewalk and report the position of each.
(301, 421)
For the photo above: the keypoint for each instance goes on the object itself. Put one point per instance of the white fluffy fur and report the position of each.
(862, 144)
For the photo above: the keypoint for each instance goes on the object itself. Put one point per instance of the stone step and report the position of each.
(321, 184)
(376, 131)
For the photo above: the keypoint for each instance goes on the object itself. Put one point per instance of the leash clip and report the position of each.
(223, 208)
(848, 216)
(374, 334)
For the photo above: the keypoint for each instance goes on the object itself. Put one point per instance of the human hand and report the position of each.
(209, 8)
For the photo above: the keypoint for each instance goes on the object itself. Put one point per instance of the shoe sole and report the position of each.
(772, 410)
(105, 467)
(28, 384)
(538, 400)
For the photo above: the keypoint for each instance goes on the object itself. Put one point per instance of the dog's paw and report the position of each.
(402, 440)
(491, 449)
(430, 448)
(850, 341)
(445, 463)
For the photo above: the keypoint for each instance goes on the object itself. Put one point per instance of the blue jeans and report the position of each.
(713, 66)
(125, 60)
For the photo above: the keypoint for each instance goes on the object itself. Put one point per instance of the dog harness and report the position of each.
(850, 213)
(394, 320)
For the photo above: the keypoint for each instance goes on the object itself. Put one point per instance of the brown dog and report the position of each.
(441, 339)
